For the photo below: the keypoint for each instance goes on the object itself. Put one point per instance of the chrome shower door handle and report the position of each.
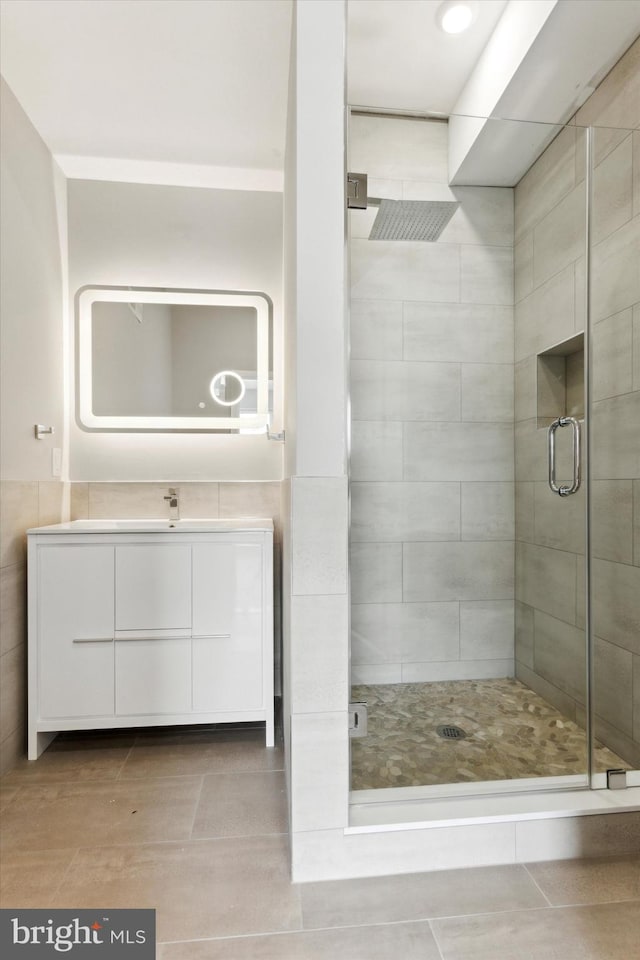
(564, 491)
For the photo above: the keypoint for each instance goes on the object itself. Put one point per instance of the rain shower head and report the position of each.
(412, 219)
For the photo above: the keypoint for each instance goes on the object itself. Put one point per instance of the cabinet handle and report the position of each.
(93, 639)
(155, 639)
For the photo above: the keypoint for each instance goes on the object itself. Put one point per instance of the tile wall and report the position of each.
(23, 504)
(550, 308)
(432, 507)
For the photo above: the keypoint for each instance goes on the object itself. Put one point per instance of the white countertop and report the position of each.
(157, 526)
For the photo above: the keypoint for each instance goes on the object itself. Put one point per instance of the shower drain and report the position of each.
(449, 732)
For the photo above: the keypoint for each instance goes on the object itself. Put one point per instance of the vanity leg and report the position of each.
(270, 731)
(38, 743)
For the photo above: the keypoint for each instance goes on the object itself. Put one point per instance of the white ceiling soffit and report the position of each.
(543, 61)
(184, 83)
(399, 59)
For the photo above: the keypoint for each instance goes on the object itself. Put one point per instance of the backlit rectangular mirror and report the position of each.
(173, 360)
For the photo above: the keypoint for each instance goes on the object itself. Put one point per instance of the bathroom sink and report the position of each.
(158, 526)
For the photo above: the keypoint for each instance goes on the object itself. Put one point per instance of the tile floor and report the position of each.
(193, 823)
(511, 733)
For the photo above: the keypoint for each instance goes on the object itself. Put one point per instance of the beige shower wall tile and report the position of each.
(457, 571)
(635, 140)
(398, 149)
(550, 179)
(388, 270)
(486, 629)
(524, 634)
(405, 511)
(613, 191)
(616, 603)
(546, 580)
(616, 101)
(487, 511)
(616, 438)
(404, 390)
(485, 216)
(615, 276)
(547, 316)
(375, 330)
(559, 238)
(486, 274)
(612, 520)
(613, 355)
(524, 491)
(560, 655)
(458, 332)
(376, 450)
(636, 346)
(613, 685)
(636, 522)
(525, 389)
(458, 451)
(404, 632)
(13, 606)
(18, 512)
(560, 522)
(523, 267)
(487, 392)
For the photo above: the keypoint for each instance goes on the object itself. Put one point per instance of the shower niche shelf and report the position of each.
(560, 381)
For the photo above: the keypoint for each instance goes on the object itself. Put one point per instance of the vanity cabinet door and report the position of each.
(153, 676)
(227, 627)
(153, 586)
(75, 631)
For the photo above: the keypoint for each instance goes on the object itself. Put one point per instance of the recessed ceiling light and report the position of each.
(455, 16)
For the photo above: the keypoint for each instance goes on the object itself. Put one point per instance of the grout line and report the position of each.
(64, 876)
(435, 938)
(535, 882)
(123, 764)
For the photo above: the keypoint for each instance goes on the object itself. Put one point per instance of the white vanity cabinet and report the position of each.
(135, 623)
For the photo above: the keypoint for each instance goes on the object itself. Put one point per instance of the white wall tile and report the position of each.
(458, 451)
(487, 392)
(405, 511)
(486, 274)
(452, 332)
(376, 572)
(487, 630)
(376, 450)
(319, 657)
(566, 838)
(488, 511)
(457, 571)
(485, 216)
(369, 673)
(319, 549)
(405, 270)
(375, 329)
(320, 746)
(403, 390)
(329, 855)
(399, 632)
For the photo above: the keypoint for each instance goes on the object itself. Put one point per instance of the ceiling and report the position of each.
(178, 81)
(118, 87)
(399, 58)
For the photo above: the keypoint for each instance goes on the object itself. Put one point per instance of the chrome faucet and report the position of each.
(172, 499)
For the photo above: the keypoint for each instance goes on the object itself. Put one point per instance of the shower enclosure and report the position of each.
(495, 459)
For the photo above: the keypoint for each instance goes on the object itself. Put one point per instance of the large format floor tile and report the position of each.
(58, 816)
(608, 931)
(398, 941)
(29, 879)
(241, 804)
(604, 880)
(155, 757)
(417, 896)
(203, 888)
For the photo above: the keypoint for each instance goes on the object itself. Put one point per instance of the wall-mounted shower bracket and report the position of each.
(358, 719)
(356, 191)
(616, 779)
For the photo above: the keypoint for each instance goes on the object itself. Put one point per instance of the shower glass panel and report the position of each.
(614, 462)
(468, 603)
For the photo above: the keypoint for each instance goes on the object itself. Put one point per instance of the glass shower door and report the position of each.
(614, 443)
